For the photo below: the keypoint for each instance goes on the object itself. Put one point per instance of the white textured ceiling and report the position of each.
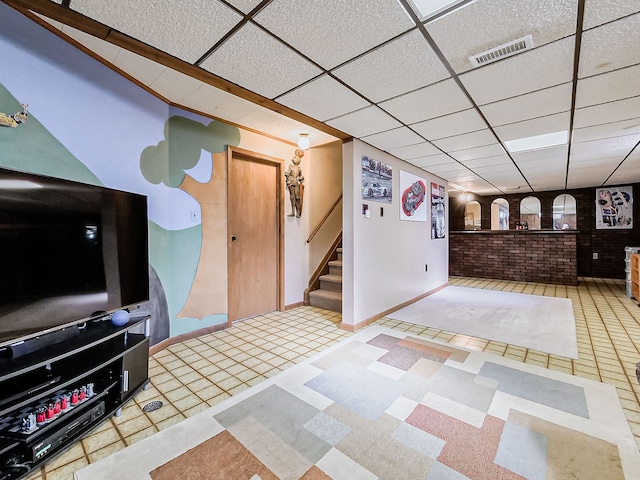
(369, 69)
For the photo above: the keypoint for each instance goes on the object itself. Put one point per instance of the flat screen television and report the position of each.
(70, 252)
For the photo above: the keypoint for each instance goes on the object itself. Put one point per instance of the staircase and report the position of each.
(329, 295)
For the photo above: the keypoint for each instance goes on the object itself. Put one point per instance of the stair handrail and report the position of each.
(326, 217)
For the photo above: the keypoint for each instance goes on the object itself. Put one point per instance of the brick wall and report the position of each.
(527, 256)
(608, 244)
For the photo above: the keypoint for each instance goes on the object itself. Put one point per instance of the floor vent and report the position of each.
(151, 406)
(502, 51)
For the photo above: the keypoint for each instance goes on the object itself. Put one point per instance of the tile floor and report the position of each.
(193, 375)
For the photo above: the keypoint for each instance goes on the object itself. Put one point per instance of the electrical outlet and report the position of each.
(595, 256)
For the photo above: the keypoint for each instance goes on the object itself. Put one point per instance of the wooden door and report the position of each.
(255, 230)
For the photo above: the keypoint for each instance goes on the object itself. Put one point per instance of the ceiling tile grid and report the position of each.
(259, 62)
(365, 68)
(611, 46)
(331, 33)
(395, 138)
(365, 122)
(531, 105)
(182, 29)
(436, 100)
(414, 151)
(398, 67)
(608, 130)
(535, 126)
(607, 113)
(450, 125)
(323, 98)
(597, 12)
(495, 22)
(526, 72)
(597, 89)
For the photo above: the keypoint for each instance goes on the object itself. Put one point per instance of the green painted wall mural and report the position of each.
(32, 148)
(167, 163)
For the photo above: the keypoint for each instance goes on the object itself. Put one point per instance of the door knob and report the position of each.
(233, 238)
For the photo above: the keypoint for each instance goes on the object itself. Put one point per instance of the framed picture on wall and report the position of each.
(376, 180)
(438, 219)
(614, 208)
(413, 205)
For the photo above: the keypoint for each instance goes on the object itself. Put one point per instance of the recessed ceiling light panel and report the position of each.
(537, 142)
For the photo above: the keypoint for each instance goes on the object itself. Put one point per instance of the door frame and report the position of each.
(278, 163)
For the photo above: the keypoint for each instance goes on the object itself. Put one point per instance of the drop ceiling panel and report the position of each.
(592, 176)
(607, 113)
(597, 89)
(245, 6)
(503, 170)
(475, 139)
(398, 137)
(495, 22)
(433, 101)
(140, 68)
(548, 184)
(611, 46)
(182, 29)
(431, 160)
(545, 155)
(608, 130)
(607, 146)
(256, 61)
(450, 167)
(398, 67)
(522, 73)
(597, 12)
(209, 99)
(323, 98)
(438, 168)
(330, 32)
(629, 169)
(536, 126)
(532, 105)
(488, 161)
(479, 152)
(450, 125)
(174, 85)
(363, 122)
(414, 151)
(106, 50)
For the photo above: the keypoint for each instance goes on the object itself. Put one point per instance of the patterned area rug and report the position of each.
(542, 323)
(388, 405)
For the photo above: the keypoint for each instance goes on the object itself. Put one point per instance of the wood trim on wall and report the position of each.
(375, 318)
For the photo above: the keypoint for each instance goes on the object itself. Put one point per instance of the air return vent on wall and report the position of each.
(502, 51)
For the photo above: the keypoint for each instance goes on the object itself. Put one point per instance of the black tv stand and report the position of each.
(69, 387)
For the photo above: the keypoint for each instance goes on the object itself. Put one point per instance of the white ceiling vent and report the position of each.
(502, 51)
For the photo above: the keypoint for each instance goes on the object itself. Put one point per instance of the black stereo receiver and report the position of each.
(44, 447)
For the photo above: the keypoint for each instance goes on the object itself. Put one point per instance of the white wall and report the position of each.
(384, 257)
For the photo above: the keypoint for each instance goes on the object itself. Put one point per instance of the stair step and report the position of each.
(335, 267)
(326, 299)
(331, 282)
(339, 252)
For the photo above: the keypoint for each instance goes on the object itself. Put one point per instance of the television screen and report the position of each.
(69, 250)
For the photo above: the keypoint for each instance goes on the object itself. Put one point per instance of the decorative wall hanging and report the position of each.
(376, 180)
(293, 177)
(614, 207)
(438, 219)
(413, 206)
